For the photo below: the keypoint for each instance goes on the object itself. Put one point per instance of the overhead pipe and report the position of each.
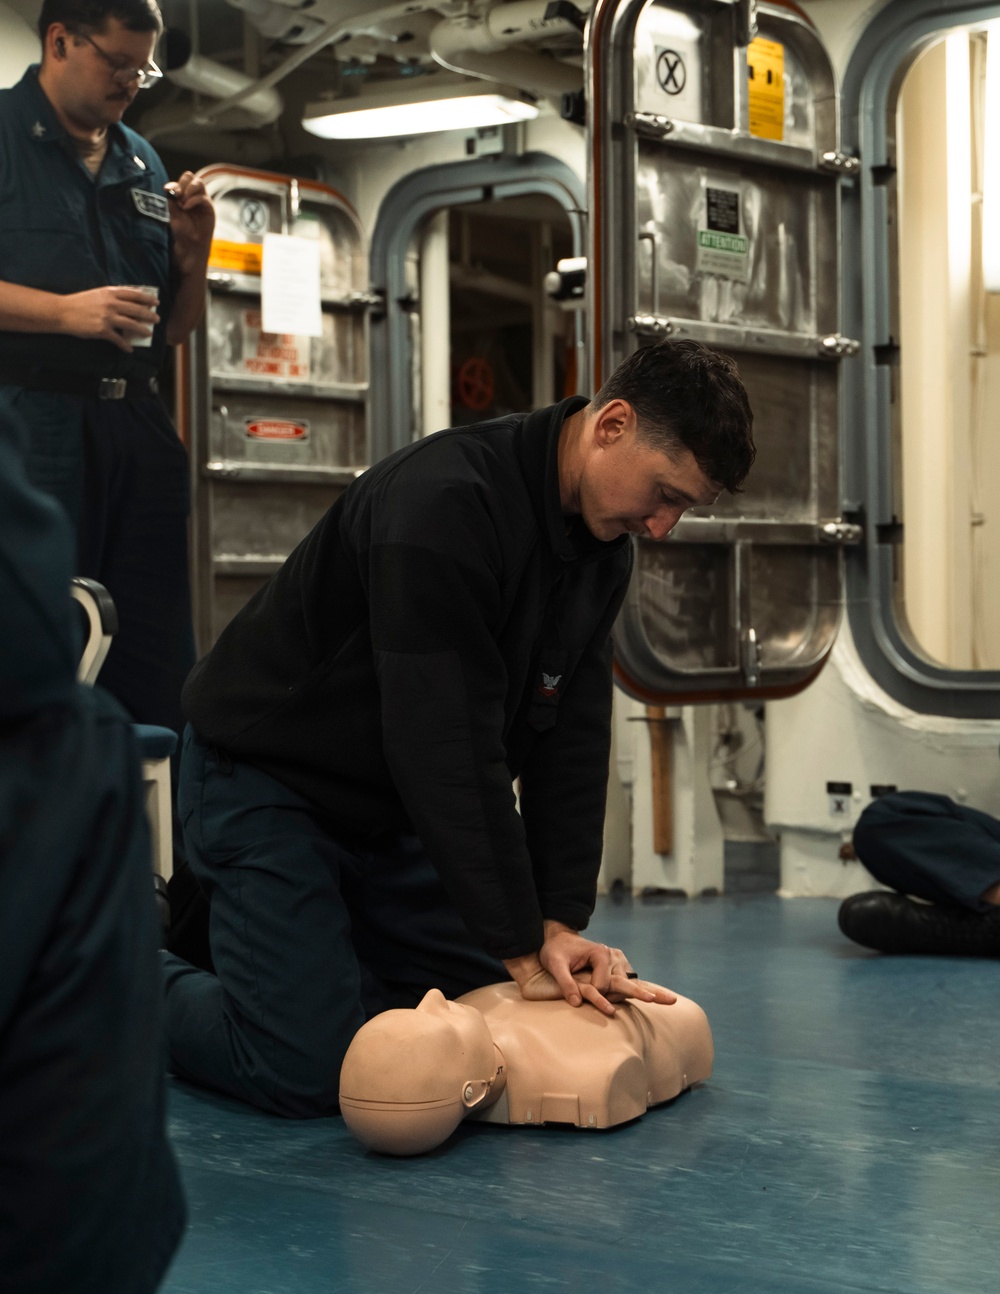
(483, 45)
(205, 76)
(353, 15)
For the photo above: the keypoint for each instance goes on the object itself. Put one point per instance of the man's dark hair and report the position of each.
(686, 395)
(93, 15)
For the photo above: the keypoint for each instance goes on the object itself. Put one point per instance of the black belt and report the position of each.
(83, 384)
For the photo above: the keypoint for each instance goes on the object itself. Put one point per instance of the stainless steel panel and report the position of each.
(335, 432)
(794, 605)
(264, 522)
(800, 96)
(811, 112)
(248, 208)
(342, 266)
(693, 609)
(686, 608)
(794, 478)
(673, 63)
(683, 62)
(238, 347)
(788, 219)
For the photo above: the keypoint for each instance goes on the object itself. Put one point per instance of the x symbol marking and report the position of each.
(671, 72)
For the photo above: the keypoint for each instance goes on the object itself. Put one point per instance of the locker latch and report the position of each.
(840, 163)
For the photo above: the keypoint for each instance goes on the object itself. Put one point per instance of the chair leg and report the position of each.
(156, 775)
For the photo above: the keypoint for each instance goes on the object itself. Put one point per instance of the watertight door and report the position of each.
(715, 178)
(276, 420)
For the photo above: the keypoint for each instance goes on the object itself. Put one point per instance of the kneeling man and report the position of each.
(346, 789)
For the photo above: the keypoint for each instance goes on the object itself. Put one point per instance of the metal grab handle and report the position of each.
(653, 238)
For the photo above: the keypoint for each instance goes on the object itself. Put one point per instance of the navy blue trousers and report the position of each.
(931, 847)
(310, 935)
(90, 1199)
(122, 475)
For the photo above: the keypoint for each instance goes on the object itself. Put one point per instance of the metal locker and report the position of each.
(277, 423)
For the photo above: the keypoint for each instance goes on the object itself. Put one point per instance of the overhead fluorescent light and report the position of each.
(384, 113)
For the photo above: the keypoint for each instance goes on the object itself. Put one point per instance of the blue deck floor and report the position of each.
(847, 1141)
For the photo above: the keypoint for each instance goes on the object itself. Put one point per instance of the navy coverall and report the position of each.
(116, 465)
(90, 1201)
(927, 845)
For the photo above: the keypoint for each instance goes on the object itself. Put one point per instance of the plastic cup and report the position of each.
(155, 292)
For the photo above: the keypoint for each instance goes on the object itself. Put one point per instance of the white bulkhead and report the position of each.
(891, 388)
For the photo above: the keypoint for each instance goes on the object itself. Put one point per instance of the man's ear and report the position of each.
(612, 422)
(55, 40)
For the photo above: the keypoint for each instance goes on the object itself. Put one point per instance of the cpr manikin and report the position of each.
(411, 1076)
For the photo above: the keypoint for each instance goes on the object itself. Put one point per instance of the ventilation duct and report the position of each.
(205, 76)
(483, 46)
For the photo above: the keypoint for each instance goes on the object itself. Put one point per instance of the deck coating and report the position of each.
(847, 1141)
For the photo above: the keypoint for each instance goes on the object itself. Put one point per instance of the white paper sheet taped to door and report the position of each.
(290, 286)
(723, 247)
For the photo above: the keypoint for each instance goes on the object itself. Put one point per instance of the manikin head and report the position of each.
(411, 1076)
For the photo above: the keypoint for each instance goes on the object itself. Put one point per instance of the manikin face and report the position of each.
(84, 82)
(629, 487)
(465, 1043)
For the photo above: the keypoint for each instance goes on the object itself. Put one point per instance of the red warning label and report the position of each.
(276, 429)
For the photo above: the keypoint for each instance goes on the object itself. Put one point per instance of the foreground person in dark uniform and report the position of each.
(83, 215)
(945, 854)
(346, 781)
(90, 1201)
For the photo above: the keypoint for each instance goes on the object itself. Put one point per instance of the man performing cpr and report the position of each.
(346, 788)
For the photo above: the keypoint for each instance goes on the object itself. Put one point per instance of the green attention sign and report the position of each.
(717, 242)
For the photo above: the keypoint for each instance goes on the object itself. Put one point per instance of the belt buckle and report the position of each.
(112, 388)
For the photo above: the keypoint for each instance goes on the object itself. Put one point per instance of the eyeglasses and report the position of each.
(121, 74)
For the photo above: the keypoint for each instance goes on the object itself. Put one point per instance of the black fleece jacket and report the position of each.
(442, 630)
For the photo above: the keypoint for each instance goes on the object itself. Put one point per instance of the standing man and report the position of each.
(102, 265)
(346, 780)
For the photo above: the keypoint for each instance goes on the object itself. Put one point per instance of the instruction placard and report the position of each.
(723, 247)
(290, 286)
(766, 70)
